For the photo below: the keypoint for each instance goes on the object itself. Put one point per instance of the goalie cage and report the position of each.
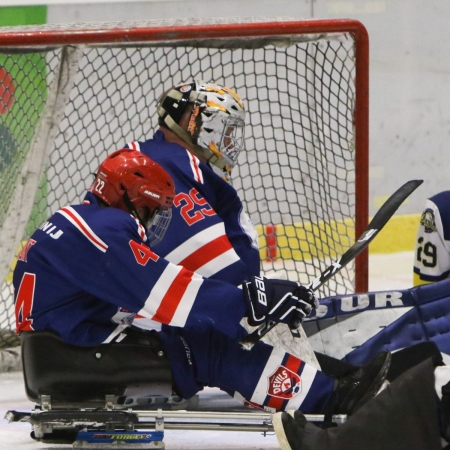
(72, 93)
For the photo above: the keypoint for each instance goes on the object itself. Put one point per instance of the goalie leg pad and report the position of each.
(402, 417)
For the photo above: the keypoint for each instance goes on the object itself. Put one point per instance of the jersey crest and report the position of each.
(284, 383)
(428, 221)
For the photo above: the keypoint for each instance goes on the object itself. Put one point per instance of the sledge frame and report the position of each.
(51, 425)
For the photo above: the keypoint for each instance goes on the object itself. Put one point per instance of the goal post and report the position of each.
(72, 93)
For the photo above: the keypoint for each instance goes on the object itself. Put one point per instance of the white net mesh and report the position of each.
(73, 105)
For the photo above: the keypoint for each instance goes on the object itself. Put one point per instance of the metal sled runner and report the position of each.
(97, 429)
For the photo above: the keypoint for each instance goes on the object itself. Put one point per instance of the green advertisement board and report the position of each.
(23, 90)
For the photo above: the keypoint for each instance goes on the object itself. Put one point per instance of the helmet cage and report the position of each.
(158, 225)
(223, 135)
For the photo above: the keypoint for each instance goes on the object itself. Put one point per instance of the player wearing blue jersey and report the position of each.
(198, 143)
(201, 131)
(88, 270)
(432, 247)
(210, 233)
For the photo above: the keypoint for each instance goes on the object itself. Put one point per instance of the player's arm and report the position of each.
(116, 266)
(179, 297)
(239, 229)
(132, 276)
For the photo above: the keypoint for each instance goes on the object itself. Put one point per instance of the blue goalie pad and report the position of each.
(356, 327)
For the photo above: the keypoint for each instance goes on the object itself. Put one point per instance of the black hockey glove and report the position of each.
(278, 300)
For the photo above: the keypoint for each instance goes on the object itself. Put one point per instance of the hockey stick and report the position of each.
(380, 219)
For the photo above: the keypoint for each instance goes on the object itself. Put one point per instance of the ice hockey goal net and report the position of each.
(70, 94)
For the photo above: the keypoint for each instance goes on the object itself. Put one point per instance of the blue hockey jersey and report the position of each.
(210, 233)
(86, 272)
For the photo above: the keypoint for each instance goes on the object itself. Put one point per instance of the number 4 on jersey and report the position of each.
(24, 302)
(142, 253)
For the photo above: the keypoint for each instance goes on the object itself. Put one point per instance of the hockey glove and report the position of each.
(278, 300)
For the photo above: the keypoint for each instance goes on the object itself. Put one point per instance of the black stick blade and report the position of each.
(379, 220)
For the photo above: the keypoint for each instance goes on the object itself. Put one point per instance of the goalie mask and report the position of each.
(131, 181)
(216, 126)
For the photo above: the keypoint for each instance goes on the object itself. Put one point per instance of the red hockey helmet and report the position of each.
(129, 180)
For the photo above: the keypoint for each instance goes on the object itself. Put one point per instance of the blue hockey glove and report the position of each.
(278, 300)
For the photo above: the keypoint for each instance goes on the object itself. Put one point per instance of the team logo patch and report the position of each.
(193, 120)
(186, 88)
(284, 383)
(427, 220)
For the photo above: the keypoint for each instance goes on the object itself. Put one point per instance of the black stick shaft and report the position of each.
(380, 219)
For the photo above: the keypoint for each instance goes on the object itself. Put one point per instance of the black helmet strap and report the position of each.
(130, 205)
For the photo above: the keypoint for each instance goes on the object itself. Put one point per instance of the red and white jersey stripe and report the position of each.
(206, 253)
(171, 299)
(141, 229)
(195, 166)
(134, 146)
(72, 216)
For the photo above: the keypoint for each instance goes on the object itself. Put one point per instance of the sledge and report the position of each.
(80, 402)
